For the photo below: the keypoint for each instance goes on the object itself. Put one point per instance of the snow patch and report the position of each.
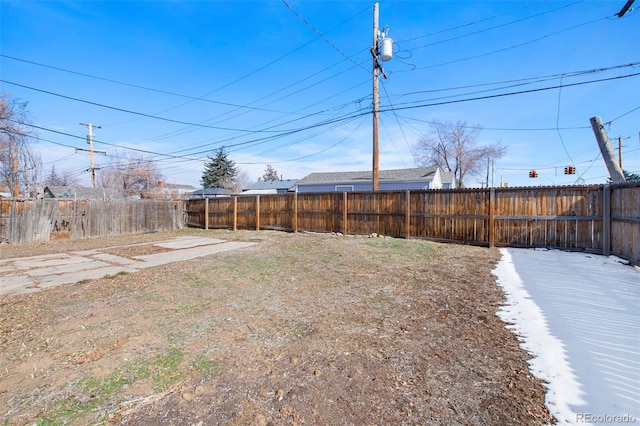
(577, 315)
(549, 363)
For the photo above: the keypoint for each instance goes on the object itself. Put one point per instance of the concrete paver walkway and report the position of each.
(31, 274)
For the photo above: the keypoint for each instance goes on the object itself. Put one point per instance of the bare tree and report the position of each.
(130, 176)
(454, 148)
(240, 181)
(65, 178)
(270, 174)
(20, 166)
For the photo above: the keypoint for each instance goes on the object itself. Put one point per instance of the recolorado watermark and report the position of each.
(606, 418)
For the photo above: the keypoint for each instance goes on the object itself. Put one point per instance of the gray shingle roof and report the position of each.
(82, 193)
(416, 174)
(273, 184)
(211, 192)
(178, 186)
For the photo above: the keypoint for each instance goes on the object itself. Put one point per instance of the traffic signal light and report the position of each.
(569, 170)
(533, 174)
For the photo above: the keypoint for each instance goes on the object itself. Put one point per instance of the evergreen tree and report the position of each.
(270, 174)
(628, 176)
(220, 171)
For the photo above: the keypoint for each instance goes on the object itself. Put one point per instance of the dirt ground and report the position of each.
(296, 329)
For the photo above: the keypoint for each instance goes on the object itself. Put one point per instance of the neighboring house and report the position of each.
(271, 187)
(178, 189)
(211, 193)
(389, 180)
(169, 191)
(80, 193)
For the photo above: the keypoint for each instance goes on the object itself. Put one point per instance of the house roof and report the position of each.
(177, 186)
(415, 174)
(447, 177)
(81, 192)
(272, 184)
(211, 192)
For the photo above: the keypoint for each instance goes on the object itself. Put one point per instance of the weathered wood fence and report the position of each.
(599, 219)
(41, 220)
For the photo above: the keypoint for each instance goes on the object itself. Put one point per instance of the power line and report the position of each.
(497, 26)
(509, 94)
(467, 94)
(265, 130)
(395, 116)
(137, 86)
(537, 79)
(316, 153)
(574, 73)
(266, 65)
(228, 139)
(202, 97)
(97, 141)
(527, 129)
(35, 137)
(505, 48)
(338, 120)
(558, 123)
(471, 23)
(349, 117)
(303, 117)
(125, 110)
(290, 131)
(396, 108)
(308, 24)
(626, 113)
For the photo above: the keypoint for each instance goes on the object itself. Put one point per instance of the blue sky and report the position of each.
(178, 79)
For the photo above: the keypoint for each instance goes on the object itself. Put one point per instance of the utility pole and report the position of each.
(615, 171)
(386, 54)
(376, 101)
(16, 179)
(90, 142)
(620, 151)
(487, 180)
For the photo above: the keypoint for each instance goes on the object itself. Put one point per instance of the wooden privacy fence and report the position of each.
(600, 219)
(41, 220)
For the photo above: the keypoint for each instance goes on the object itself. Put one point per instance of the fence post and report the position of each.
(407, 216)
(606, 220)
(257, 212)
(492, 225)
(235, 213)
(295, 212)
(344, 213)
(206, 213)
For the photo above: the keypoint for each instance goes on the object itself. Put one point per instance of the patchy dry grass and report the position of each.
(299, 328)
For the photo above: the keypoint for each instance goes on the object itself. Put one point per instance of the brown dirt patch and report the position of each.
(298, 329)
